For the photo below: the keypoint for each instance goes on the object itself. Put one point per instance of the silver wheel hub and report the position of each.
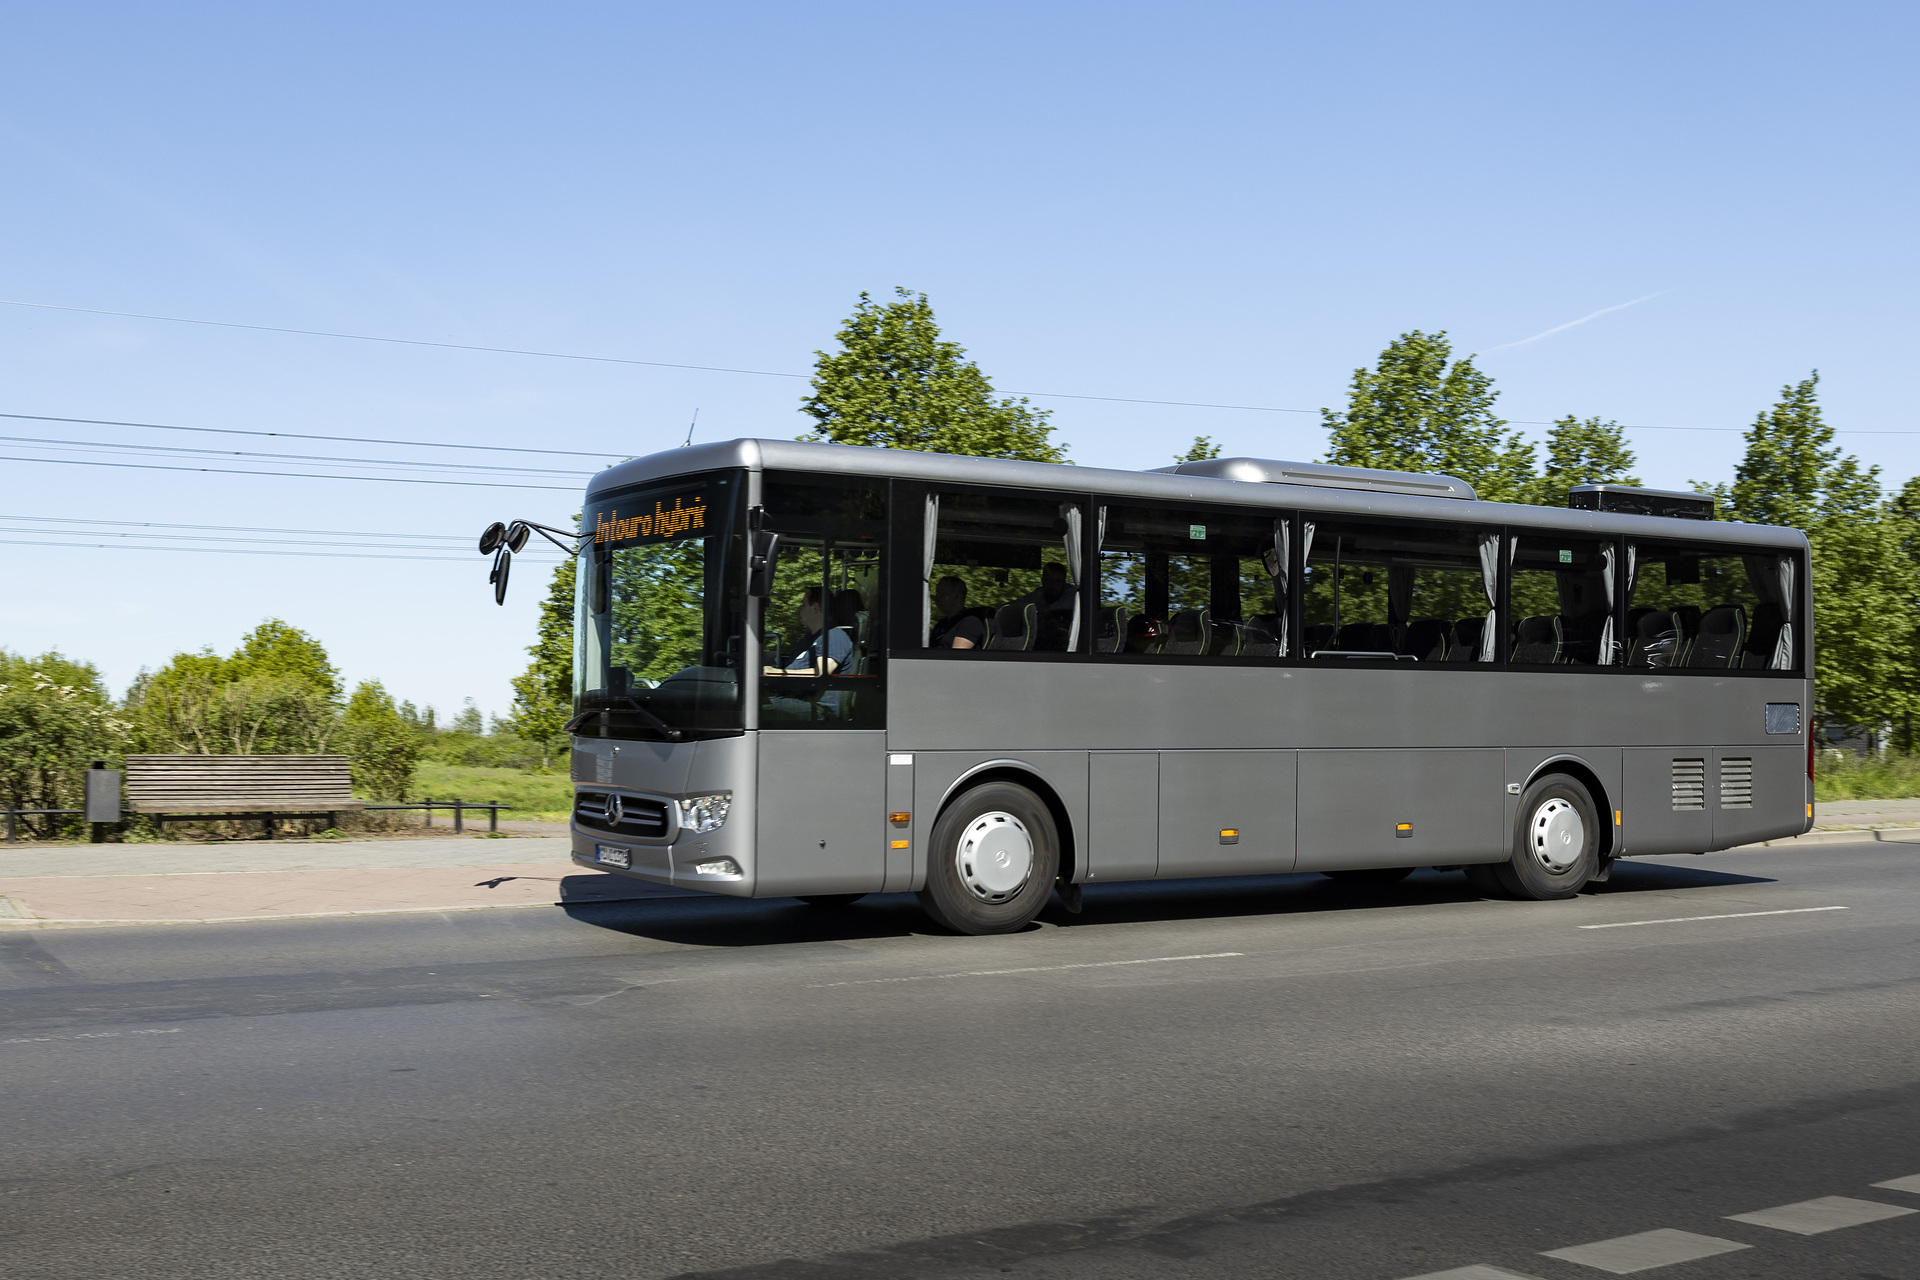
(995, 856)
(1556, 836)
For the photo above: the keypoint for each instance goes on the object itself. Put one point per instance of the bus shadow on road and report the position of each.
(698, 919)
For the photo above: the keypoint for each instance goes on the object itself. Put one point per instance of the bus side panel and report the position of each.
(1765, 776)
(1123, 815)
(1665, 808)
(1206, 794)
(822, 798)
(1352, 805)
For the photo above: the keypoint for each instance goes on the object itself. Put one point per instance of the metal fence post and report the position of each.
(493, 818)
(426, 802)
(459, 827)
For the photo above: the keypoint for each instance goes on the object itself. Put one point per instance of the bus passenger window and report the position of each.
(1403, 592)
(1701, 607)
(1178, 582)
(1000, 574)
(1560, 601)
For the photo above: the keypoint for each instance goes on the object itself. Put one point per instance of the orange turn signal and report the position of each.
(902, 844)
(901, 816)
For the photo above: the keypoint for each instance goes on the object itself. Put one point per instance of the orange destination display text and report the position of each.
(661, 523)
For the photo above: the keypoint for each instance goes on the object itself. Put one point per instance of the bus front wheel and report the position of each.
(1556, 842)
(992, 860)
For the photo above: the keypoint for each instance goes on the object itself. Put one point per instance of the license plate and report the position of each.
(613, 857)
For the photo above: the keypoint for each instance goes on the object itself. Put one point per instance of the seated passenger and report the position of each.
(1055, 600)
(957, 629)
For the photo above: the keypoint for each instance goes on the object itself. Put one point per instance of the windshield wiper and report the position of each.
(633, 704)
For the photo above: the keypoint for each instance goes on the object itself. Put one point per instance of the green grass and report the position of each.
(1845, 776)
(544, 797)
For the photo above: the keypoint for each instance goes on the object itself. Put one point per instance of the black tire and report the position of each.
(831, 899)
(1371, 875)
(973, 860)
(1556, 841)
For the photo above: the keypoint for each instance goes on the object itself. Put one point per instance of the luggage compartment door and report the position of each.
(1401, 808)
(1226, 813)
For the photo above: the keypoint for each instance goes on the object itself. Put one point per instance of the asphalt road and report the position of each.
(1275, 1077)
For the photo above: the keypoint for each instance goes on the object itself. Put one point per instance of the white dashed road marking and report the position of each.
(1475, 1272)
(1902, 1184)
(1735, 915)
(1828, 1213)
(1038, 968)
(1625, 1255)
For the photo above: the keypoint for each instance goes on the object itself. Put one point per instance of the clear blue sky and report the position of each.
(1198, 202)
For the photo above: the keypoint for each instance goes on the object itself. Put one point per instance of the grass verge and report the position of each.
(1841, 775)
(538, 797)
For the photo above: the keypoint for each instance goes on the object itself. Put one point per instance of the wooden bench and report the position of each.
(173, 788)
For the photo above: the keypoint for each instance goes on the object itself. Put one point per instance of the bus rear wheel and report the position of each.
(1556, 842)
(992, 860)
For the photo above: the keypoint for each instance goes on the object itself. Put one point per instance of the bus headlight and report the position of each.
(700, 814)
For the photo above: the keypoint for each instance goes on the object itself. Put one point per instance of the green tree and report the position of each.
(895, 383)
(1865, 580)
(1582, 451)
(276, 649)
(543, 693)
(382, 745)
(1202, 448)
(1413, 411)
(277, 694)
(55, 720)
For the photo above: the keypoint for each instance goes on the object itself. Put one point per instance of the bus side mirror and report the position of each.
(763, 547)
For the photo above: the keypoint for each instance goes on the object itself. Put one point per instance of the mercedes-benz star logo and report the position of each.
(615, 810)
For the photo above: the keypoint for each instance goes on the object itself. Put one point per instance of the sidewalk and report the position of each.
(254, 880)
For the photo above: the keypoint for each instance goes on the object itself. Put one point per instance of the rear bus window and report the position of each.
(1414, 593)
(1711, 608)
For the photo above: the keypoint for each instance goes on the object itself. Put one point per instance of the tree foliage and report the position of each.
(1866, 581)
(1582, 451)
(382, 745)
(56, 719)
(1202, 449)
(543, 693)
(895, 383)
(1415, 411)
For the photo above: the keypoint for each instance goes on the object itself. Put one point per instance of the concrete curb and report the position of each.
(1858, 836)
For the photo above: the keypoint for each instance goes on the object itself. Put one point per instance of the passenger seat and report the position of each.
(1723, 630)
(1189, 632)
(1013, 627)
(1538, 640)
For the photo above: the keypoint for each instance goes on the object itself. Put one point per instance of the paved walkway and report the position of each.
(177, 883)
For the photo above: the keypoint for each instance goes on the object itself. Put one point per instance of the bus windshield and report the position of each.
(659, 608)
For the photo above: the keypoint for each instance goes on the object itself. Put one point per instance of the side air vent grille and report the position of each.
(1689, 784)
(1736, 783)
(629, 816)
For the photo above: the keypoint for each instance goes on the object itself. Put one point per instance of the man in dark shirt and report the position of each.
(957, 629)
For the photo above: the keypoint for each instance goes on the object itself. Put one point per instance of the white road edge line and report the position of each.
(1734, 915)
(1038, 968)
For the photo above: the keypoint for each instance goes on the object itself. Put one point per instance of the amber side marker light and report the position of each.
(1229, 835)
(900, 817)
(902, 844)
(1403, 831)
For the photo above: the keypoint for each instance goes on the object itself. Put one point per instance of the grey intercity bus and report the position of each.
(818, 671)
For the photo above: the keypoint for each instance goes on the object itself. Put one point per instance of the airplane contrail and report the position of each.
(1592, 315)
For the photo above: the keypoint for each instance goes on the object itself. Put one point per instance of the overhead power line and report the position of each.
(757, 373)
(295, 435)
(237, 551)
(402, 463)
(294, 475)
(237, 528)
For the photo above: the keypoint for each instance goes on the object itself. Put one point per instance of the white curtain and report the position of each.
(1490, 582)
(1282, 598)
(926, 570)
(1783, 648)
(1070, 512)
(1607, 656)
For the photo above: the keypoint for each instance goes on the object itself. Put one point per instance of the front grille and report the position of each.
(639, 816)
(1736, 783)
(1689, 784)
